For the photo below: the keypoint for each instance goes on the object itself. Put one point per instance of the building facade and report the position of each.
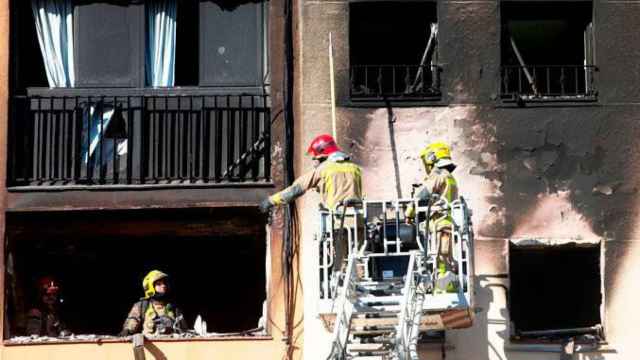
(538, 100)
(539, 103)
(142, 135)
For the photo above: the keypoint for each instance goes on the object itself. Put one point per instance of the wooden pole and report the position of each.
(333, 90)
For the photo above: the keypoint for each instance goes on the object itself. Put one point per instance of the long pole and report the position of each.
(523, 65)
(333, 90)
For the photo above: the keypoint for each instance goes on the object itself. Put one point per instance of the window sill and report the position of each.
(167, 91)
(548, 347)
(549, 101)
(123, 187)
(395, 102)
(99, 340)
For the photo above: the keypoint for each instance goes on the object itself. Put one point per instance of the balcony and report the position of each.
(395, 82)
(70, 141)
(548, 83)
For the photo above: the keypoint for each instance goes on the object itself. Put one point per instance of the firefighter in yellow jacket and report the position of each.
(438, 189)
(154, 314)
(336, 178)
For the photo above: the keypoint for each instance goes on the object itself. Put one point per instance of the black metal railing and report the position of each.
(90, 140)
(395, 82)
(551, 82)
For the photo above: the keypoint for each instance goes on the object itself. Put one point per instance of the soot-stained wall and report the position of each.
(547, 170)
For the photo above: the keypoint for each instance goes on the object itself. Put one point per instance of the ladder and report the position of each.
(385, 296)
(379, 319)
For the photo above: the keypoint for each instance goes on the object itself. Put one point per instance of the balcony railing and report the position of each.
(548, 82)
(128, 140)
(395, 82)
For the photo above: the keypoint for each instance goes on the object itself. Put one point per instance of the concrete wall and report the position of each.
(555, 171)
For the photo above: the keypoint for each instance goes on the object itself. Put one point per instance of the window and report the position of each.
(109, 44)
(136, 43)
(232, 42)
(547, 51)
(394, 50)
(215, 259)
(555, 291)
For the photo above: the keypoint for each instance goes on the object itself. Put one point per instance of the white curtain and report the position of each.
(99, 120)
(54, 25)
(161, 42)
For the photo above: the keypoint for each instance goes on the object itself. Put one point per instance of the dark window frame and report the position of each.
(397, 96)
(261, 47)
(137, 57)
(516, 334)
(263, 64)
(589, 71)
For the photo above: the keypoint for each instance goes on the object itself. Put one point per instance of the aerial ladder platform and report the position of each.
(386, 290)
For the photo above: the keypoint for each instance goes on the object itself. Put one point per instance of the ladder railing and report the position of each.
(345, 221)
(410, 311)
(464, 246)
(344, 308)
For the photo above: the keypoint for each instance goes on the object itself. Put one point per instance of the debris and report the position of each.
(603, 189)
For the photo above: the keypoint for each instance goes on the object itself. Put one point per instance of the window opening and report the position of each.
(215, 260)
(28, 65)
(555, 291)
(394, 50)
(547, 51)
(187, 40)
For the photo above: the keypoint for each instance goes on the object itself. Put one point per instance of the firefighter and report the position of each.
(44, 319)
(438, 189)
(154, 314)
(335, 177)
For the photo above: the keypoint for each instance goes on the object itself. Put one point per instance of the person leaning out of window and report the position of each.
(154, 314)
(44, 319)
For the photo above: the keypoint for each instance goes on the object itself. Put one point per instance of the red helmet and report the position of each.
(48, 285)
(322, 146)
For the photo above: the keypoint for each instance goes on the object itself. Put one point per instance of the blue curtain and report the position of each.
(54, 25)
(161, 42)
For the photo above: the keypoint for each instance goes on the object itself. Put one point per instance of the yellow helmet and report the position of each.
(149, 280)
(436, 154)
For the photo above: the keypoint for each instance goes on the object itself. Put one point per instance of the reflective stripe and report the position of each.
(452, 188)
(151, 313)
(334, 172)
(276, 199)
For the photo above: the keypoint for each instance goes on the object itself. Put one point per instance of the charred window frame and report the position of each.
(547, 51)
(393, 51)
(99, 269)
(556, 291)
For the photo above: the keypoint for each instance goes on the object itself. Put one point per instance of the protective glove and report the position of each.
(265, 206)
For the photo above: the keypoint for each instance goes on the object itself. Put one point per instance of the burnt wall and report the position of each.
(551, 170)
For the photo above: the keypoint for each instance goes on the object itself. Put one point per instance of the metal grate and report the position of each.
(395, 82)
(85, 140)
(551, 82)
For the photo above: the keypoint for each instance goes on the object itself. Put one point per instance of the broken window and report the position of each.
(215, 258)
(555, 291)
(547, 51)
(393, 50)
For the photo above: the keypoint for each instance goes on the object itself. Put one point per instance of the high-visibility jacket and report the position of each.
(336, 179)
(439, 182)
(144, 315)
